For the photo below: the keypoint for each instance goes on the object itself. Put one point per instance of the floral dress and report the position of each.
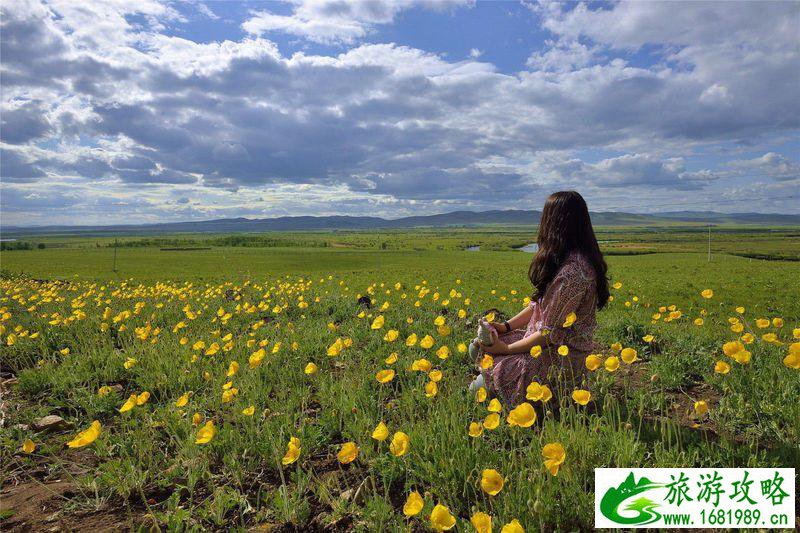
(573, 289)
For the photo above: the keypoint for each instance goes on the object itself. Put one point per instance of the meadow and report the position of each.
(318, 381)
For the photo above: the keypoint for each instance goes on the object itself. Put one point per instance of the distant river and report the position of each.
(529, 248)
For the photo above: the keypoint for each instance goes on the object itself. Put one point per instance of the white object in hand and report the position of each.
(485, 333)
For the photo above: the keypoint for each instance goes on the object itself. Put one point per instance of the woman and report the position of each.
(568, 274)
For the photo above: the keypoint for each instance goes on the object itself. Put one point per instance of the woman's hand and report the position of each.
(498, 348)
(499, 327)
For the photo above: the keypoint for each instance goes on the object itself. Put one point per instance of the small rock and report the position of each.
(50, 423)
(116, 388)
(346, 495)
(22, 427)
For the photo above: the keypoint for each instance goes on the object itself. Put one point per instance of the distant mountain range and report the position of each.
(511, 217)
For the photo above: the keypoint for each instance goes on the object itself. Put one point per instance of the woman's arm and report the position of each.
(519, 320)
(521, 346)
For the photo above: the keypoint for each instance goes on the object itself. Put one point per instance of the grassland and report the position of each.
(294, 297)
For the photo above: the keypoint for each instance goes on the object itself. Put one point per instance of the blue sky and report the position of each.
(126, 112)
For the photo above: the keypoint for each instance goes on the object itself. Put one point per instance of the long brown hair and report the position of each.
(565, 227)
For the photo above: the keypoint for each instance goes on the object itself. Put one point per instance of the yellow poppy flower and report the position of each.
(292, 451)
(481, 394)
(441, 519)
(391, 335)
(435, 375)
(569, 320)
(411, 340)
(494, 406)
(482, 522)
(648, 338)
(721, 367)
(183, 400)
(431, 389)
(554, 456)
(699, 321)
(233, 368)
(491, 421)
(228, 395)
(249, 411)
(611, 363)
(414, 504)
(378, 322)
(708, 293)
(628, 355)
(426, 342)
(491, 481)
(593, 362)
(475, 429)
(617, 285)
(523, 415)
(536, 351)
(392, 359)
(399, 444)
(443, 352)
(462, 348)
(534, 391)
(311, 369)
(28, 446)
(385, 376)
(513, 527)
(487, 362)
(563, 350)
(347, 453)
(777, 322)
(129, 363)
(700, 407)
(421, 365)
(129, 404)
(762, 323)
(581, 396)
(87, 436)
(381, 432)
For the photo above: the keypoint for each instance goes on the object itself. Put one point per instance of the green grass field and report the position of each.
(70, 324)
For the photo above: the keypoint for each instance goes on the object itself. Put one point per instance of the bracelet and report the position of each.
(508, 327)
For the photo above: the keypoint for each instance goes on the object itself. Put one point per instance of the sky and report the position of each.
(156, 111)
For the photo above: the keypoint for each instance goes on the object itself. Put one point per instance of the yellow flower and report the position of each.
(487, 362)
(769, 337)
(617, 285)
(248, 411)
(414, 504)
(742, 357)
(494, 406)
(708, 293)
(399, 444)
(435, 375)
(721, 367)
(612, 363)
(491, 481)
(311, 369)
(228, 395)
(64, 351)
(554, 456)
(748, 338)
(183, 400)
(129, 363)
(421, 365)
(336, 348)
(563, 350)
(256, 358)
(87, 436)
(441, 519)
(104, 390)
(475, 429)
(439, 321)
(392, 359)
(481, 394)
(196, 419)
(700, 407)
(462, 348)
(762, 323)
(777, 322)
(581, 396)
(534, 391)
(569, 320)
(233, 368)
(648, 338)
(628, 355)
(523, 415)
(796, 333)
(129, 404)
(491, 421)
(347, 453)
(391, 335)
(381, 432)
(513, 527)
(699, 321)
(411, 340)
(737, 328)
(426, 342)
(443, 352)
(732, 348)
(593, 362)
(792, 360)
(378, 322)
(292, 451)
(536, 351)
(431, 389)
(385, 376)
(28, 446)
(482, 522)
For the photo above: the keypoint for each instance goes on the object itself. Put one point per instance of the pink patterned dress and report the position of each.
(573, 289)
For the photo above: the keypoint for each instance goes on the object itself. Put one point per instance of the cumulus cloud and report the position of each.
(100, 94)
